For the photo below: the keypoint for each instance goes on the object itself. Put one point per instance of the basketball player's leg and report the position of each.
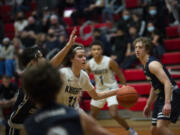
(96, 106)
(153, 130)
(113, 110)
(163, 127)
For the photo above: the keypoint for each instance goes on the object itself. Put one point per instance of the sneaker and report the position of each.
(174, 23)
(132, 132)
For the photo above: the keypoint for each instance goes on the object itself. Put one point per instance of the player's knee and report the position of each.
(153, 130)
(114, 114)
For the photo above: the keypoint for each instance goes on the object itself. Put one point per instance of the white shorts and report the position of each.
(100, 103)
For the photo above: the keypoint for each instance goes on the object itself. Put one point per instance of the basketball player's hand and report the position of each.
(72, 37)
(166, 109)
(147, 111)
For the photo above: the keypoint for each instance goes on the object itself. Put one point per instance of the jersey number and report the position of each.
(101, 80)
(72, 101)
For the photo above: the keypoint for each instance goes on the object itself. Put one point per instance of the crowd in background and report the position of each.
(45, 28)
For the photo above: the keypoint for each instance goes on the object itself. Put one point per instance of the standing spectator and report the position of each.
(8, 92)
(108, 9)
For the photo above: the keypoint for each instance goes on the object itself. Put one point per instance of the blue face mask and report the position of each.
(126, 17)
(153, 12)
(150, 28)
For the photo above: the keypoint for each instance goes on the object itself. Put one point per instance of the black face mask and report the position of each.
(20, 18)
(51, 35)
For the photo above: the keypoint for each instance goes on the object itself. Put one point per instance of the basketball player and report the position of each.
(23, 106)
(164, 90)
(76, 79)
(103, 69)
(53, 118)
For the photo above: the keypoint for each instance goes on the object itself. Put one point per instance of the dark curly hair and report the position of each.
(42, 83)
(71, 54)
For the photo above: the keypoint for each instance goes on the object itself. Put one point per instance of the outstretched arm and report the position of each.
(58, 58)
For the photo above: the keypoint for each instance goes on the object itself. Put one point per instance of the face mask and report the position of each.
(150, 29)
(153, 12)
(51, 35)
(126, 17)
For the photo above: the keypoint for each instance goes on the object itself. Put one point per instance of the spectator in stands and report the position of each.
(52, 44)
(98, 35)
(119, 6)
(108, 9)
(139, 23)
(119, 42)
(7, 58)
(8, 92)
(172, 6)
(28, 35)
(126, 20)
(130, 57)
(81, 10)
(41, 42)
(58, 28)
(153, 34)
(20, 23)
(156, 18)
(18, 49)
(64, 4)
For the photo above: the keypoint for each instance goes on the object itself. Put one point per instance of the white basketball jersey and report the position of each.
(72, 86)
(104, 76)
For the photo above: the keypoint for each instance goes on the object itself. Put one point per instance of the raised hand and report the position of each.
(72, 37)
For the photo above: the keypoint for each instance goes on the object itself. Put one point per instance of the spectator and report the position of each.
(119, 42)
(172, 6)
(52, 45)
(108, 9)
(7, 58)
(139, 23)
(8, 92)
(130, 57)
(58, 28)
(97, 35)
(125, 21)
(1, 29)
(153, 34)
(28, 36)
(20, 23)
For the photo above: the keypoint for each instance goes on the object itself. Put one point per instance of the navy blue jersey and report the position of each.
(22, 109)
(55, 119)
(155, 82)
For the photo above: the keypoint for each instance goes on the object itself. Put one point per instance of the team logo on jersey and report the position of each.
(100, 71)
(72, 90)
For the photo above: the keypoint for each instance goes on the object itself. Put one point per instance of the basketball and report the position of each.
(127, 96)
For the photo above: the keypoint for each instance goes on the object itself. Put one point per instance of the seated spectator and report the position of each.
(59, 29)
(108, 10)
(8, 92)
(20, 23)
(7, 58)
(130, 57)
(98, 35)
(139, 23)
(52, 44)
(28, 35)
(119, 42)
(125, 21)
(152, 32)
(172, 6)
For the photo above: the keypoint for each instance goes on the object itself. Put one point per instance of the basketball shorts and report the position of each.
(100, 103)
(175, 108)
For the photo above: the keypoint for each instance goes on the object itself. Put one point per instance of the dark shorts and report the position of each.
(175, 108)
